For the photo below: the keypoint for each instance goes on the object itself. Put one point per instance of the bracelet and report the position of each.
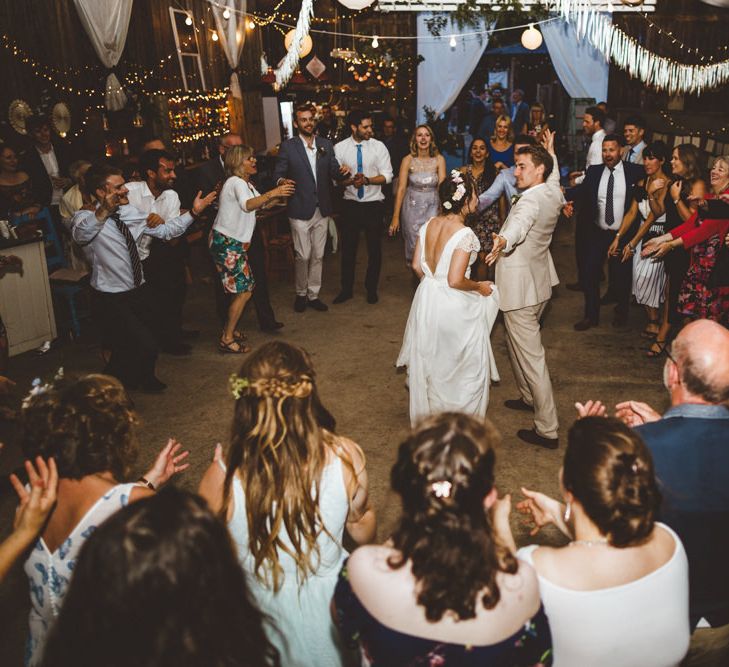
(145, 482)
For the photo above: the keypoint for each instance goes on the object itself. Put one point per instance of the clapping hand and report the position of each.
(675, 190)
(358, 180)
(285, 189)
(36, 505)
(590, 409)
(548, 141)
(344, 170)
(201, 203)
(635, 413)
(541, 510)
(168, 463)
(656, 185)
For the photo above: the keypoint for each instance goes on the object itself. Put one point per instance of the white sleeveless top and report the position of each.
(49, 574)
(644, 623)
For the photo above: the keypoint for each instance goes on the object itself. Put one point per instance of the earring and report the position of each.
(568, 512)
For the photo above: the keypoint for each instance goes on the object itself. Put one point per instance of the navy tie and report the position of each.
(360, 170)
(609, 213)
(131, 247)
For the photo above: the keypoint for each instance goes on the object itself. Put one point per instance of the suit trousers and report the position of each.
(620, 274)
(164, 272)
(126, 320)
(528, 362)
(581, 241)
(310, 239)
(356, 217)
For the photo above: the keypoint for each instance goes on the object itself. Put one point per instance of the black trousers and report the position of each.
(357, 217)
(126, 320)
(620, 273)
(582, 235)
(164, 272)
(677, 264)
(261, 298)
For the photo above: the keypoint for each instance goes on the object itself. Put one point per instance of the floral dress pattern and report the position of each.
(381, 646)
(49, 574)
(697, 298)
(231, 261)
(486, 222)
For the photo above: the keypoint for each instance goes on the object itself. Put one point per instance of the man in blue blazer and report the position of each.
(309, 161)
(690, 449)
(602, 200)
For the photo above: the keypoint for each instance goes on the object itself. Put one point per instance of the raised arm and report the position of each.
(498, 188)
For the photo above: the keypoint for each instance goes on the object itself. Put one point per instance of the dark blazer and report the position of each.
(585, 194)
(293, 163)
(691, 459)
(521, 118)
(210, 175)
(32, 165)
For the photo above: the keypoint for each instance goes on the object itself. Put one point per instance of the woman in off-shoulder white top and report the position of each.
(617, 594)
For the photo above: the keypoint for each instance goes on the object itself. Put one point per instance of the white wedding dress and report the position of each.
(447, 345)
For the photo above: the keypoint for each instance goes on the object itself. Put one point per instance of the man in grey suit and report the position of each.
(525, 275)
(309, 161)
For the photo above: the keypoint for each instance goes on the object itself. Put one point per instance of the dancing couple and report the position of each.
(447, 347)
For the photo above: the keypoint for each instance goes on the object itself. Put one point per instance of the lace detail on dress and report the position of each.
(418, 164)
(469, 243)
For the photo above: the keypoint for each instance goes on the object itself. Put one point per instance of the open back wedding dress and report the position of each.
(447, 346)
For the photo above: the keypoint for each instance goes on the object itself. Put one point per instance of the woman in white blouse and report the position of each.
(231, 236)
(617, 594)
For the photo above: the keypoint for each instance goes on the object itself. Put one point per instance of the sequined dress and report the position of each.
(421, 200)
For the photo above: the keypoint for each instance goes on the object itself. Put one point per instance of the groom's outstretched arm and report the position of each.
(498, 188)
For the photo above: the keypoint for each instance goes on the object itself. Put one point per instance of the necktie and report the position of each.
(609, 213)
(360, 170)
(131, 247)
(631, 153)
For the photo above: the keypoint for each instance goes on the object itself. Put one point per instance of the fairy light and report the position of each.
(214, 36)
(188, 20)
(375, 42)
(226, 13)
(250, 25)
(452, 42)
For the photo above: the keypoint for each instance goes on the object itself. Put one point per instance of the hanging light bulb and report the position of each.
(226, 13)
(188, 20)
(452, 43)
(375, 42)
(250, 24)
(214, 36)
(531, 38)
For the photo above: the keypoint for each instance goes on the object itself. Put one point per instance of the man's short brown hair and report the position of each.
(539, 156)
(303, 108)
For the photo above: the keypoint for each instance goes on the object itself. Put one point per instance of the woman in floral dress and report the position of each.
(487, 222)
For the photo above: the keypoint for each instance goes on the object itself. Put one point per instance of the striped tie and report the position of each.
(131, 247)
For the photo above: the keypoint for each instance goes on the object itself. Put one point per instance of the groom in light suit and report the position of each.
(525, 275)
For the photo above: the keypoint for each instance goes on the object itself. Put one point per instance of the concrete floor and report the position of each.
(354, 347)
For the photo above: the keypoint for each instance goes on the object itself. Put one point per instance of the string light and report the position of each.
(375, 42)
(452, 43)
(188, 20)
(214, 36)
(226, 13)
(686, 131)
(198, 115)
(250, 25)
(674, 40)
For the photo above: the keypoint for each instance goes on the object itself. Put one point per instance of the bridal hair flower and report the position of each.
(442, 488)
(458, 194)
(38, 388)
(447, 205)
(237, 385)
(456, 176)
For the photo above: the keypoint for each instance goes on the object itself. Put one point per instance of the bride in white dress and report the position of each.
(447, 346)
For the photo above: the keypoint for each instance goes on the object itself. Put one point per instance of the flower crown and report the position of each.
(457, 178)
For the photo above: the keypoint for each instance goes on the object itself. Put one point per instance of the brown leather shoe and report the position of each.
(584, 325)
(533, 438)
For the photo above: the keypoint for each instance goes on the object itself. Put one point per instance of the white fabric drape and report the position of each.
(445, 70)
(581, 68)
(106, 23)
(232, 34)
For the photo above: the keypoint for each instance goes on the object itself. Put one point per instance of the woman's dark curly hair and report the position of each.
(609, 470)
(448, 188)
(86, 424)
(159, 583)
(449, 539)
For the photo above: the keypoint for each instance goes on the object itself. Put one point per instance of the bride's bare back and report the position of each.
(439, 231)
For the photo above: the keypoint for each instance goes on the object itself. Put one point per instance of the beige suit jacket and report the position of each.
(525, 272)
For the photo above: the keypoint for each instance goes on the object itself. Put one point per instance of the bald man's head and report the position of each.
(701, 352)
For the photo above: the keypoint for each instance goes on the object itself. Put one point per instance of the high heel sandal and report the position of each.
(233, 347)
(657, 349)
(647, 333)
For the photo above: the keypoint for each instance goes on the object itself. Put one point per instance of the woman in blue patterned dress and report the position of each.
(446, 589)
(87, 426)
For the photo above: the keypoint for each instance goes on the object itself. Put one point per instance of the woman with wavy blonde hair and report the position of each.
(501, 145)
(288, 489)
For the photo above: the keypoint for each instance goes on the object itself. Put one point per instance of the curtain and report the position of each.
(106, 23)
(582, 69)
(232, 35)
(445, 70)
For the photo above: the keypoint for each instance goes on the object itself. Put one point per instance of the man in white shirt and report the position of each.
(363, 208)
(109, 236)
(602, 199)
(163, 261)
(634, 132)
(46, 164)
